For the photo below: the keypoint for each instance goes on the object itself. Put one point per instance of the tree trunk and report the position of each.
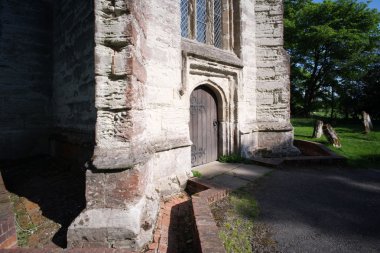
(332, 104)
(308, 103)
(331, 135)
(367, 122)
(318, 129)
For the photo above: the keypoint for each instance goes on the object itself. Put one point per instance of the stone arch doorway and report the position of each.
(204, 126)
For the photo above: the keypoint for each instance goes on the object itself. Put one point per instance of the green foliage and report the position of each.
(362, 150)
(236, 232)
(196, 173)
(22, 217)
(236, 236)
(333, 45)
(234, 158)
(244, 204)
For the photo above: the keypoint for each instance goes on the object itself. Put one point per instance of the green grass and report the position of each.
(362, 150)
(238, 221)
(196, 173)
(22, 219)
(234, 158)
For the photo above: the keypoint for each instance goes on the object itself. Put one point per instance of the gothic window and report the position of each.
(208, 21)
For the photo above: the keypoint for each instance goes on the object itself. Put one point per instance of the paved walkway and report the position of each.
(231, 175)
(322, 210)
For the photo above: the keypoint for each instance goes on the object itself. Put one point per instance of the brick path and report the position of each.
(174, 232)
(46, 201)
(7, 223)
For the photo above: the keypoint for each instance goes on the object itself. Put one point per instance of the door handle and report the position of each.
(215, 123)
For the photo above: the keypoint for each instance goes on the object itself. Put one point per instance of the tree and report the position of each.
(331, 44)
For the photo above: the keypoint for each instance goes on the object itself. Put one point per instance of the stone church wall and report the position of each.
(142, 148)
(73, 97)
(25, 77)
(145, 73)
(274, 132)
(111, 80)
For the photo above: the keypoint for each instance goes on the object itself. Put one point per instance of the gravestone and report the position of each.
(331, 135)
(318, 129)
(367, 122)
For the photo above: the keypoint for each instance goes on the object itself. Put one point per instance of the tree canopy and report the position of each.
(334, 48)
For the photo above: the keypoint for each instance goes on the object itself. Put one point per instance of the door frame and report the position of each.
(228, 139)
(207, 89)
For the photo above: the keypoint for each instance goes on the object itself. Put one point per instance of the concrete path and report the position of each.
(231, 175)
(321, 210)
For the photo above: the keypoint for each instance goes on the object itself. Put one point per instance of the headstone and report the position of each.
(367, 122)
(318, 129)
(331, 135)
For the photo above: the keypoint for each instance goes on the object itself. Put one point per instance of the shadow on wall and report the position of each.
(47, 103)
(26, 29)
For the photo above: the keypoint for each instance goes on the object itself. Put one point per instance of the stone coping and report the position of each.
(312, 153)
(8, 237)
(203, 194)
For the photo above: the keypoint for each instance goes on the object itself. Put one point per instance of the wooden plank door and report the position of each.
(203, 126)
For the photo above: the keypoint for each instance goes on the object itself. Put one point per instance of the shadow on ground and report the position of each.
(181, 229)
(58, 188)
(322, 210)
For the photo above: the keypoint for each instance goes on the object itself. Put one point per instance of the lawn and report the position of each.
(362, 150)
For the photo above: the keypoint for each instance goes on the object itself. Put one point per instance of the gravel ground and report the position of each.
(320, 210)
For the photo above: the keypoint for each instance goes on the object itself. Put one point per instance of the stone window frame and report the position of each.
(230, 19)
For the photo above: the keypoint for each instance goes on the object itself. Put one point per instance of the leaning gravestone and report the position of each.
(318, 129)
(367, 122)
(331, 135)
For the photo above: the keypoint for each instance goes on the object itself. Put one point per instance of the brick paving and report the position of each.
(174, 231)
(46, 202)
(207, 232)
(7, 220)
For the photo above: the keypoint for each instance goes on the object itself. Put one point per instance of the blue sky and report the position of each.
(374, 4)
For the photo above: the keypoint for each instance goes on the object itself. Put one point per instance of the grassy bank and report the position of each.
(362, 150)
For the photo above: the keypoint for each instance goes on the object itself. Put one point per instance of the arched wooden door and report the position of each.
(203, 126)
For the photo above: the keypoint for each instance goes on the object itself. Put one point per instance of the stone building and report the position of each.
(141, 91)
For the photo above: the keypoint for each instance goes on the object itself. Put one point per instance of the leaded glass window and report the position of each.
(201, 18)
(185, 18)
(218, 23)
